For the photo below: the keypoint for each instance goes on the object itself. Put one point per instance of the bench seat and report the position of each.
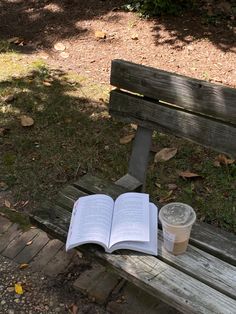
(203, 280)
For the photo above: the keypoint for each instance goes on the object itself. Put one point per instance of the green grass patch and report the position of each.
(73, 134)
(20, 218)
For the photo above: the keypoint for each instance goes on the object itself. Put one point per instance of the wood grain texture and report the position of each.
(216, 241)
(192, 94)
(207, 132)
(202, 266)
(129, 182)
(178, 289)
(140, 154)
(92, 185)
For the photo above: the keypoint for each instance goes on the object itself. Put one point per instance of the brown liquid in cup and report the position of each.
(180, 247)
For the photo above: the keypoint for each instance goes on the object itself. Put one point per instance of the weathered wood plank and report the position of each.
(155, 115)
(29, 252)
(92, 185)
(46, 254)
(195, 262)
(129, 182)
(12, 233)
(211, 239)
(192, 94)
(140, 154)
(173, 286)
(59, 263)
(202, 266)
(19, 243)
(215, 241)
(4, 224)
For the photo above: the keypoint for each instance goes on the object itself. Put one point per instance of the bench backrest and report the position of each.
(158, 100)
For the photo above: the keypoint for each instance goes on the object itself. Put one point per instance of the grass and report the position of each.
(73, 134)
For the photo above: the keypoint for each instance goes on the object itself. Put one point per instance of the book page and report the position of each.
(150, 247)
(130, 218)
(91, 221)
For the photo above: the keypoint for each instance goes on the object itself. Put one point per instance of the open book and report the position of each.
(129, 222)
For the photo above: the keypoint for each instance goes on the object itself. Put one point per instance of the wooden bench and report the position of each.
(203, 280)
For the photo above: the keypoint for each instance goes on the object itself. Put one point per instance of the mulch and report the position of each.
(191, 44)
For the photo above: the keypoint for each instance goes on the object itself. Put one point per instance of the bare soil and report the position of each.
(193, 43)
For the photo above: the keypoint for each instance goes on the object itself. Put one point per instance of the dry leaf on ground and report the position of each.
(222, 159)
(165, 154)
(167, 198)
(4, 131)
(127, 139)
(100, 35)
(7, 204)
(18, 288)
(29, 243)
(8, 98)
(3, 186)
(17, 41)
(23, 266)
(46, 83)
(189, 175)
(26, 120)
(64, 54)
(73, 309)
(172, 186)
(59, 46)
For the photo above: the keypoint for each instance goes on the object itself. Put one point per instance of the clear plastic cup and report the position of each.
(177, 220)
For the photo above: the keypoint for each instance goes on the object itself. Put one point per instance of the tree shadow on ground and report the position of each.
(191, 27)
(67, 138)
(41, 23)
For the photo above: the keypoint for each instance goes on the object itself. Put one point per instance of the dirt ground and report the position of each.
(193, 43)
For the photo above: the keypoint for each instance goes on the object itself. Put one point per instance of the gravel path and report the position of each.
(41, 294)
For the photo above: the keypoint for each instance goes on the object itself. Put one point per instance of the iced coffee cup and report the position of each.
(177, 220)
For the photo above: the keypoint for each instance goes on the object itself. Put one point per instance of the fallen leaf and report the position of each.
(29, 242)
(59, 46)
(16, 41)
(64, 54)
(165, 154)
(127, 139)
(134, 37)
(8, 98)
(26, 121)
(3, 186)
(7, 203)
(188, 174)
(158, 185)
(216, 164)
(222, 159)
(100, 34)
(33, 227)
(23, 266)
(74, 309)
(13, 40)
(167, 198)
(18, 288)
(46, 83)
(172, 186)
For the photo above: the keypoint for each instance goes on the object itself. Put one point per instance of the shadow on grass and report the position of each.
(72, 134)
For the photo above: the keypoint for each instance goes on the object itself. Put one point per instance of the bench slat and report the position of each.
(149, 273)
(215, 241)
(154, 115)
(192, 94)
(203, 235)
(202, 266)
